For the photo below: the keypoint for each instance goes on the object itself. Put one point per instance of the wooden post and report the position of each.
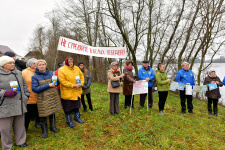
(131, 99)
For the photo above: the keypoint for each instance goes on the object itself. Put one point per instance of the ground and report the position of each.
(141, 130)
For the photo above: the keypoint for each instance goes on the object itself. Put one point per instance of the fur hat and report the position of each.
(6, 59)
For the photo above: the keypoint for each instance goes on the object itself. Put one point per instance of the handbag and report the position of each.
(115, 84)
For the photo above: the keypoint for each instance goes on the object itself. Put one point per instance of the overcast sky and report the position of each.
(18, 19)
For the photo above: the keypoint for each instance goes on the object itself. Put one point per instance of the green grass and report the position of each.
(141, 130)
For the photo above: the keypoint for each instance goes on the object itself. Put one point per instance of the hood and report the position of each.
(3, 71)
(42, 73)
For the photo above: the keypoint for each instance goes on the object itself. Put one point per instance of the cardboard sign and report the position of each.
(140, 87)
(54, 79)
(78, 81)
(212, 86)
(14, 86)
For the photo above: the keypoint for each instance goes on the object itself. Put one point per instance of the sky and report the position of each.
(19, 18)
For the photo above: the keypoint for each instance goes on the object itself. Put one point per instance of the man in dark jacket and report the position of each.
(19, 64)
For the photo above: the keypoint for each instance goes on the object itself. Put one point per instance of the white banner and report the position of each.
(72, 46)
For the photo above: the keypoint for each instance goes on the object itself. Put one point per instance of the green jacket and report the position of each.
(161, 78)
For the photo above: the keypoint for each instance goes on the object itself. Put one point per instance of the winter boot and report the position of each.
(77, 117)
(44, 128)
(52, 124)
(69, 121)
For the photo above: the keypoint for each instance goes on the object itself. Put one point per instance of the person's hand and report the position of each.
(84, 87)
(52, 84)
(147, 79)
(10, 93)
(168, 80)
(213, 82)
(134, 81)
(217, 82)
(77, 86)
(122, 75)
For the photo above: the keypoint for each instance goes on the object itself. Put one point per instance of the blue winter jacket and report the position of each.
(38, 76)
(185, 77)
(143, 74)
(224, 81)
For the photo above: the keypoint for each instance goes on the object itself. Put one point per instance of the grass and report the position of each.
(141, 130)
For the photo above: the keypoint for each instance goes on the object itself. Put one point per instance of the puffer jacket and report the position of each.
(48, 100)
(16, 105)
(214, 94)
(27, 75)
(67, 81)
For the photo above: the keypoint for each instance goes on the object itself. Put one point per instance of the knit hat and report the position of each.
(6, 59)
(10, 54)
(114, 63)
(81, 62)
(41, 60)
(211, 71)
(31, 61)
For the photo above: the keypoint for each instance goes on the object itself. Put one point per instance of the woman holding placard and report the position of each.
(129, 79)
(114, 87)
(186, 76)
(13, 101)
(71, 81)
(48, 100)
(213, 95)
(162, 86)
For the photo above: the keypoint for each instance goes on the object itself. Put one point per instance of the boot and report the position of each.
(216, 111)
(52, 124)
(37, 125)
(77, 117)
(44, 128)
(69, 121)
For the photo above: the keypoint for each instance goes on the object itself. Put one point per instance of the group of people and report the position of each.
(185, 76)
(33, 92)
(38, 93)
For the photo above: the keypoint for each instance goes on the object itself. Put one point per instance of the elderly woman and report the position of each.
(71, 81)
(32, 110)
(114, 87)
(13, 100)
(185, 76)
(129, 79)
(213, 95)
(86, 87)
(48, 100)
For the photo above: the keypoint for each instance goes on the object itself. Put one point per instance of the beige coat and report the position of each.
(112, 78)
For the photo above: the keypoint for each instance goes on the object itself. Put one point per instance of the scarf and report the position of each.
(128, 68)
(116, 72)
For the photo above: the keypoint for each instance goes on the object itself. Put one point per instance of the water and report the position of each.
(218, 67)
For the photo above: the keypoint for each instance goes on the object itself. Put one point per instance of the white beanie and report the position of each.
(5, 59)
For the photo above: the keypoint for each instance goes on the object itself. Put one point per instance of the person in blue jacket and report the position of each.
(146, 73)
(185, 76)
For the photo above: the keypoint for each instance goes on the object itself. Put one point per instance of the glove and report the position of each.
(10, 93)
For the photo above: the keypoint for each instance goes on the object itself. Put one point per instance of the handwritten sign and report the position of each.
(72, 46)
(140, 87)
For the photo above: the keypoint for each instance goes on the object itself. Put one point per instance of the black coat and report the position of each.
(20, 65)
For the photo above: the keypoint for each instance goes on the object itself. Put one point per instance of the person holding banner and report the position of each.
(48, 100)
(213, 95)
(129, 79)
(32, 110)
(185, 76)
(114, 87)
(86, 87)
(162, 86)
(146, 73)
(14, 95)
(71, 81)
